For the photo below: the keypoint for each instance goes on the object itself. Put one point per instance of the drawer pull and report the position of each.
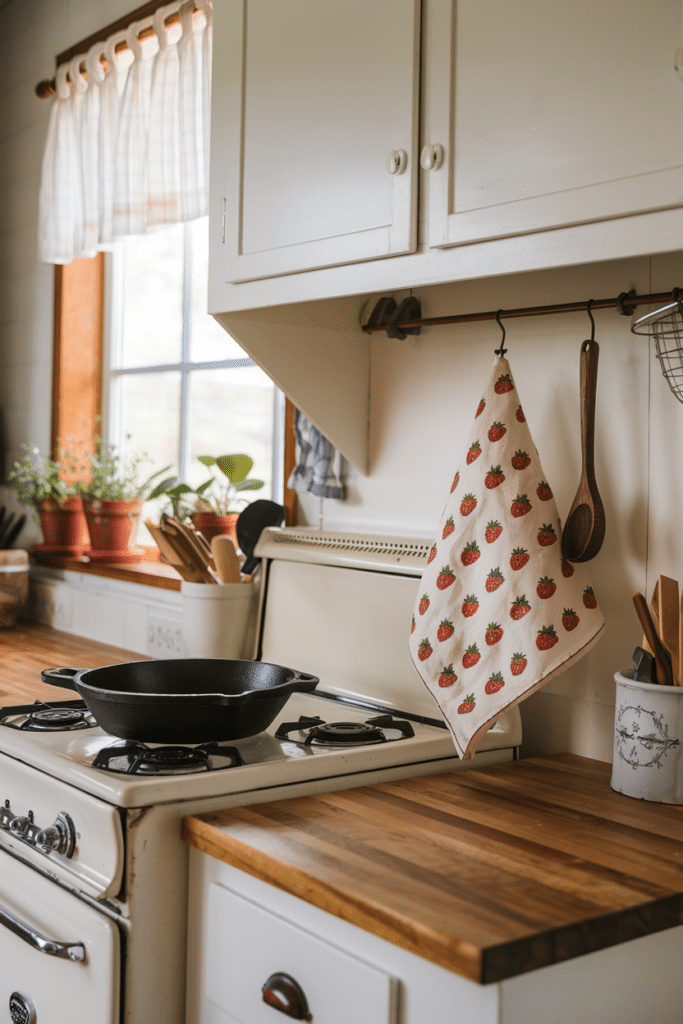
(67, 950)
(283, 993)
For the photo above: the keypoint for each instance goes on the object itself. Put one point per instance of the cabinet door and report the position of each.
(550, 113)
(309, 101)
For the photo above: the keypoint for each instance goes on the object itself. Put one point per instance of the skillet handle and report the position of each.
(303, 681)
(64, 677)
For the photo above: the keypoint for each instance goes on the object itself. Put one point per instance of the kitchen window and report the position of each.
(175, 384)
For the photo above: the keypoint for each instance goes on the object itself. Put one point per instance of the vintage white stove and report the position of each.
(93, 873)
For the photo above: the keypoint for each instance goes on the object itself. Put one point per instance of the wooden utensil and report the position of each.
(668, 613)
(584, 530)
(661, 656)
(225, 557)
(170, 556)
(188, 550)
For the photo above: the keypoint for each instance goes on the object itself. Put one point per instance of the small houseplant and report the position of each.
(213, 506)
(113, 500)
(53, 489)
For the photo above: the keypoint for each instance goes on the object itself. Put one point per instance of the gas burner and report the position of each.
(346, 734)
(133, 758)
(61, 716)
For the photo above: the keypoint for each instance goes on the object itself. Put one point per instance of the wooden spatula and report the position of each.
(668, 614)
(660, 654)
(225, 557)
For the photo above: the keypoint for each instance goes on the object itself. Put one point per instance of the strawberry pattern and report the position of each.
(499, 611)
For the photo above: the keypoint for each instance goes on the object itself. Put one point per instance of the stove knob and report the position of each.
(19, 826)
(59, 837)
(22, 1010)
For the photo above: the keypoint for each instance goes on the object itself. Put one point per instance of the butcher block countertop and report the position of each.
(490, 872)
(28, 648)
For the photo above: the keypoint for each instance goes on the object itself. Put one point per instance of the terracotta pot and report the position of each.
(210, 525)
(64, 525)
(112, 525)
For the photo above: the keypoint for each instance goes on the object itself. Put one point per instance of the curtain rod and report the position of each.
(625, 303)
(48, 86)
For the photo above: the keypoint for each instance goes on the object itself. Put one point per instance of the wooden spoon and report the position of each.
(584, 530)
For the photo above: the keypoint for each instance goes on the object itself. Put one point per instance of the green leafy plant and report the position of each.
(37, 477)
(115, 479)
(219, 494)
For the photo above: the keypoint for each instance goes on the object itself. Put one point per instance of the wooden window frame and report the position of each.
(77, 397)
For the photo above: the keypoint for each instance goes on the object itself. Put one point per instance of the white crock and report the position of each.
(217, 619)
(648, 740)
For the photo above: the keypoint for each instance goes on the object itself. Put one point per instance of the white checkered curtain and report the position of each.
(163, 205)
(59, 214)
(128, 142)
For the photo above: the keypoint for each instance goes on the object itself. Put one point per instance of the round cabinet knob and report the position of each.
(22, 1010)
(431, 157)
(285, 994)
(396, 161)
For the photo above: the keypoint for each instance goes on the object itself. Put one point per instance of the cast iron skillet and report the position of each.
(183, 700)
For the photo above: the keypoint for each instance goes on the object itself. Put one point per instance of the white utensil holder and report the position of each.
(648, 740)
(218, 619)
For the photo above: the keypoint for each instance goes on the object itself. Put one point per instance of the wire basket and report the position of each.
(665, 325)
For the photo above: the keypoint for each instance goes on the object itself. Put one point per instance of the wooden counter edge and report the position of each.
(414, 936)
(484, 965)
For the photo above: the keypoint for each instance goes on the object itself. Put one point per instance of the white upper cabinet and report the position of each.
(314, 133)
(550, 114)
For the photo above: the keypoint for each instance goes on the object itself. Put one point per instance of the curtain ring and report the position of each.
(500, 351)
(588, 310)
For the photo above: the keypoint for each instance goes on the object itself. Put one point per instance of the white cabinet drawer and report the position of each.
(247, 944)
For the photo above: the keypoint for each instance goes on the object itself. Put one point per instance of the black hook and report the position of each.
(500, 351)
(588, 310)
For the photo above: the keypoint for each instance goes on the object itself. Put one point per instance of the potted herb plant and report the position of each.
(214, 506)
(53, 490)
(113, 500)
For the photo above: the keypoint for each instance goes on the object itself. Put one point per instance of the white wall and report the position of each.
(424, 390)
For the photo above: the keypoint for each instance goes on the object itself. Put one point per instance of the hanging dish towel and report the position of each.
(499, 612)
(318, 462)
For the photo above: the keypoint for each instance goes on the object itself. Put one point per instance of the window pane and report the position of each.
(152, 298)
(208, 340)
(231, 411)
(150, 422)
(149, 405)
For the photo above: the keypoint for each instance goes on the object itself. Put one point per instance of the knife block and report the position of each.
(218, 619)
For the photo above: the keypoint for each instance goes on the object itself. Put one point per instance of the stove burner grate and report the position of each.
(345, 734)
(62, 716)
(134, 758)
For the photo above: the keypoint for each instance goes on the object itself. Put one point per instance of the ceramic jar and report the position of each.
(648, 740)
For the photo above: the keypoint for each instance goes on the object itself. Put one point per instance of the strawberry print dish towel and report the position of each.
(499, 612)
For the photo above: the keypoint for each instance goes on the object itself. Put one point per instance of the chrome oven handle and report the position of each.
(66, 950)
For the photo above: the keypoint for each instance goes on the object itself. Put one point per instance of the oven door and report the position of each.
(60, 959)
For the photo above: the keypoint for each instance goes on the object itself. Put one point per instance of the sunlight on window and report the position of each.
(178, 386)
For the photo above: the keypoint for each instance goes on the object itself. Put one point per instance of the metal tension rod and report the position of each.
(625, 303)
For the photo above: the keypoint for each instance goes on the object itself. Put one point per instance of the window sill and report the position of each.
(149, 572)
